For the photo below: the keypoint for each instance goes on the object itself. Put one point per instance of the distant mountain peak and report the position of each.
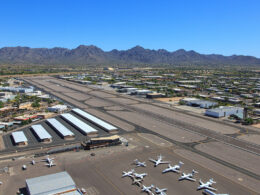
(91, 54)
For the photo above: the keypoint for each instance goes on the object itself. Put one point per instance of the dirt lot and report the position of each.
(173, 99)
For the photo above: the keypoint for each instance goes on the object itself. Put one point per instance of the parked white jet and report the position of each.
(136, 181)
(188, 176)
(140, 176)
(128, 174)
(50, 164)
(47, 159)
(33, 162)
(159, 161)
(174, 168)
(160, 191)
(206, 191)
(207, 185)
(148, 189)
(139, 164)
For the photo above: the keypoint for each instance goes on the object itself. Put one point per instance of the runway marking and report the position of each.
(108, 181)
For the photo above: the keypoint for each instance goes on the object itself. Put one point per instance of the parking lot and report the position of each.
(56, 138)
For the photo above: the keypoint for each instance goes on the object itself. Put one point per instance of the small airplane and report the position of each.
(148, 189)
(128, 174)
(188, 176)
(33, 162)
(24, 167)
(206, 191)
(207, 185)
(159, 161)
(139, 164)
(140, 176)
(174, 168)
(50, 164)
(160, 191)
(1, 183)
(136, 181)
(48, 160)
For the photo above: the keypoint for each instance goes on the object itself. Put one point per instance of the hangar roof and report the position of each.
(50, 184)
(19, 137)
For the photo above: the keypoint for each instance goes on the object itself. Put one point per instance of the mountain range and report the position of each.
(92, 55)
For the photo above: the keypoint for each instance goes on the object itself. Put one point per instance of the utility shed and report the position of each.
(58, 183)
(41, 133)
(60, 128)
(104, 125)
(19, 138)
(80, 125)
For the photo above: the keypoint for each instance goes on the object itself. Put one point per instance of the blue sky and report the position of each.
(206, 26)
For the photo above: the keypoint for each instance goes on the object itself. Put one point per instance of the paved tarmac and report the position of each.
(102, 173)
(143, 120)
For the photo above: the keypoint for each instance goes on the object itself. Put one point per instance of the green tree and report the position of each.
(1, 104)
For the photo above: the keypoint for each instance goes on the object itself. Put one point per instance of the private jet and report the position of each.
(188, 176)
(148, 189)
(159, 161)
(140, 176)
(160, 191)
(207, 185)
(174, 168)
(33, 162)
(139, 164)
(128, 174)
(208, 192)
(136, 181)
(47, 159)
(50, 164)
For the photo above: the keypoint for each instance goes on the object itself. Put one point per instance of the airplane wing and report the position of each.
(152, 160)
(190, 179)
(210, 188)
(165, 162)
(166, 170)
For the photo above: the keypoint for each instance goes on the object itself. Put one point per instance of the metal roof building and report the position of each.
(225, 111)
(41, 133)
(60, 128)
(80, 125)
(104, 125)
(19, 138)
(58, 183)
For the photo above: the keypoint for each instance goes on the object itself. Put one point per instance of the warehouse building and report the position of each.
(41, 133)
(141, 92)
(154, 95)
(225, 111)
(100, 123)
(198, 103)
(19, 138)
(57, 108)
(80, 125)
(63, 131)
(58, 183)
